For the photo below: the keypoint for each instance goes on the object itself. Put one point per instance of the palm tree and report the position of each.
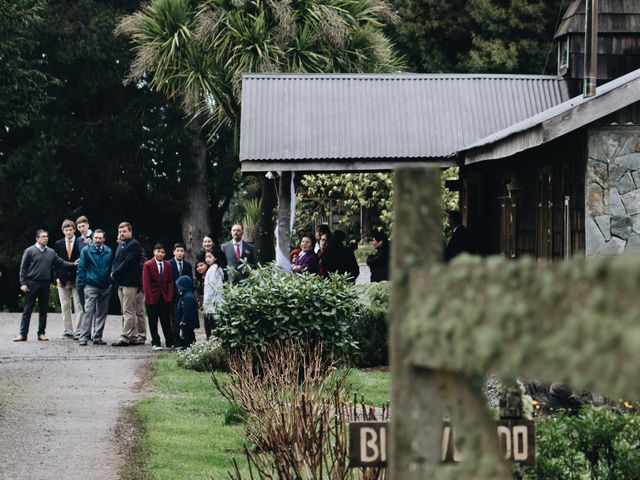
(196, 51)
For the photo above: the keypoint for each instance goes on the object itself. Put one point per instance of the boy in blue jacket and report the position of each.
(187, 318)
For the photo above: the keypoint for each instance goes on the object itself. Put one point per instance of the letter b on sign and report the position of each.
(367, 444)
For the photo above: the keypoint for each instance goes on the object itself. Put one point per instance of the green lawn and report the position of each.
(184, 432)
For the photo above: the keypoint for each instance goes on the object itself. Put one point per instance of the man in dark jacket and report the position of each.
(36, 270)
(379, 262)
(187, 318)
(338, 258)
(127, 274)
(459, 241)
(94, 277)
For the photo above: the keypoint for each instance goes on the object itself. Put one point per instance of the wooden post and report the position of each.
(422, 394)
(417, 242)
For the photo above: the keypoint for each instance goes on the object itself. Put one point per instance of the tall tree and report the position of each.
(195, 52)
(23, 83)
(100, 148)
(501, 36)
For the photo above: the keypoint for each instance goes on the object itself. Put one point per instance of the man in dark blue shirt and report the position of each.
(126, 272)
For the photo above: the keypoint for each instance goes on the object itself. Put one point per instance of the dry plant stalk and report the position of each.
(297, 414)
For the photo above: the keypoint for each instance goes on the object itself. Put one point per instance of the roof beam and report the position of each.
(342, 166)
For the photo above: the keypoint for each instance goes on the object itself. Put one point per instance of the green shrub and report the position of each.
(203, 356)
(370, 330)
(273, 305)
(597, 444)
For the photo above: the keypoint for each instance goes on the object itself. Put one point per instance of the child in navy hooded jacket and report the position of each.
(187, 318)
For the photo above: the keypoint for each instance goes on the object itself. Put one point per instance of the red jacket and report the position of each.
(156, 289)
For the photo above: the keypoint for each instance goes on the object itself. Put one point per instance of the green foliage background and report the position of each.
(492, 36)
(594, 444)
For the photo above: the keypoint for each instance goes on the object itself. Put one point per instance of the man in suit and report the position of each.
(86, 234)
(86, 238)
(126, 271)
(459, 241)
(179, 266)
(157, 283)
(236, 251)
(68, 249)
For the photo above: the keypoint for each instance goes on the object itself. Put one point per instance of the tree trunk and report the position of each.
(284, 220)
(195, 220)
(265, 245)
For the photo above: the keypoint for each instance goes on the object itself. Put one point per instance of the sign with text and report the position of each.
(368, 443)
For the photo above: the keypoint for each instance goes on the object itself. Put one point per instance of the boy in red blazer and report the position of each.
(157, 283)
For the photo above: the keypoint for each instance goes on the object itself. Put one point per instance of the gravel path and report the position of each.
(60, 403)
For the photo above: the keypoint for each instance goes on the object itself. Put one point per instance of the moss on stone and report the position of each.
(577, 322)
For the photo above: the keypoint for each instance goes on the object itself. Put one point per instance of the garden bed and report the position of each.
(185, 435)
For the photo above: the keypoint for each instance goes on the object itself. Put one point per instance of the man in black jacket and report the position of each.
(459, 241)
(378, 262)
(68, 248)
(35, 277)
(126, 271)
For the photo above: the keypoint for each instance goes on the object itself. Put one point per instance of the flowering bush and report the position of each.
(203, 356)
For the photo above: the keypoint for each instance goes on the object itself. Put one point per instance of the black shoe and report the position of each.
(82, 343)
(120, 343)
(99, 342)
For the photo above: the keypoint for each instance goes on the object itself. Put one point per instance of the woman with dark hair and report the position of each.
(213, 284)
(379, 261)
(338, 258)
(208, 244)
(201, 271)
(324, 243)
(306, 260)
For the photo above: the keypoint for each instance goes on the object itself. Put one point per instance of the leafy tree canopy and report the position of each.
(493, 36)
(99, 148)
(22, 80)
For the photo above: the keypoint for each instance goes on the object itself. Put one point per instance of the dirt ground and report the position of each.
(62, 406)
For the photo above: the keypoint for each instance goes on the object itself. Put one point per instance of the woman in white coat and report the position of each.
(213, 288)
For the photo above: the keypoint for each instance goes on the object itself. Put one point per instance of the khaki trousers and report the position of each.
(67, 293)
(127, 297)
(141, 323)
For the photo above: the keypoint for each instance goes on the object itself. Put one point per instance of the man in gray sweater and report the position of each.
(35, 277)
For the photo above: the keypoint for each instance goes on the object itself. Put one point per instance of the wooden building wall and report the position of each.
(529, 204)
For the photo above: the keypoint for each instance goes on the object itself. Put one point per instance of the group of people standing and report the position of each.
(86, 272)
(327, 252)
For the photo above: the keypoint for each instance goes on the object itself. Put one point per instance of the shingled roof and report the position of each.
(375, 122)
(614, 16)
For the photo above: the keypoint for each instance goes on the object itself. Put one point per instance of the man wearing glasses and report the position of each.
(35, 277)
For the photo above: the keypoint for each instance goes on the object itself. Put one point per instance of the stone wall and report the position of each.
(613, 191)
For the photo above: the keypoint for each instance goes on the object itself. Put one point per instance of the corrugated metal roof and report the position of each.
(400, 116)
(560, 120)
